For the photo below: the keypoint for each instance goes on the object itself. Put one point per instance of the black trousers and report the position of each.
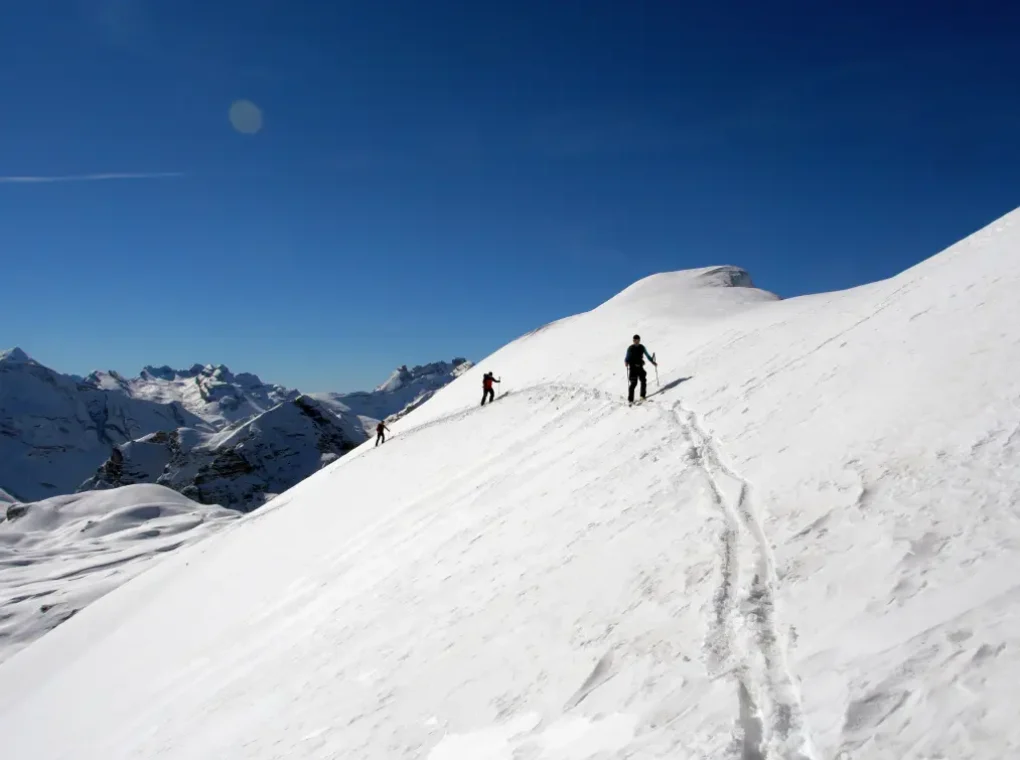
(380, 438)
(488, 393)
(637, 374)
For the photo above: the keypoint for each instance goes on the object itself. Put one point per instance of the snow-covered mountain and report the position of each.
(404, 390)
(241, 466)
(805, 545)
(54, 430)
(61, 554)
(222, 398)
(213, 393)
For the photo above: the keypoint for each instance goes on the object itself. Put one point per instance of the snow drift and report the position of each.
(806, 544)
(60, 554)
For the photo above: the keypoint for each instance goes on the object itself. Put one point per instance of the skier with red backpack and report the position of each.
(487, 390)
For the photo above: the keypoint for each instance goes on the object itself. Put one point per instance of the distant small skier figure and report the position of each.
(380, 436)
(635, 364)
(487, 391)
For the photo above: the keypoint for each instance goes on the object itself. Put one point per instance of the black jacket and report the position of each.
(636, 353)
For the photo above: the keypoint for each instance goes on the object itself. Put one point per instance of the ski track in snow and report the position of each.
(564, 577)
(769, 717)
(770, 714)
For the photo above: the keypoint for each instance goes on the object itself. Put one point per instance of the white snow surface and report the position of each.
(805, 545)
(63, 553)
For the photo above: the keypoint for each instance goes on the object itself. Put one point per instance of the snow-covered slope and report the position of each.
(805, 545)
(212, 392)
(404, 390)
(238, 467)
(55, 431)
(60, 554)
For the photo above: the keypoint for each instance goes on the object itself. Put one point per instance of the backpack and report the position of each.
(636, 355)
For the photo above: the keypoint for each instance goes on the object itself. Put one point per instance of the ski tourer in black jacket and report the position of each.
(635, 363)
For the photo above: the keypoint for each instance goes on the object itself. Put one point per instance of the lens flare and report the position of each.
(246, 117)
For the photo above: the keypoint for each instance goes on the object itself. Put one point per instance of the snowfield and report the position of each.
(60, 554)
(805, 545)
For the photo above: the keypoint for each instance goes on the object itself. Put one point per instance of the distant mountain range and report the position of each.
(213, 393)
(212, 435)
(404, 390)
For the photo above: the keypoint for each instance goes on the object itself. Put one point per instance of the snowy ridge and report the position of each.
(404, 390)
(804, 545)
(63, 553)
(14, 356)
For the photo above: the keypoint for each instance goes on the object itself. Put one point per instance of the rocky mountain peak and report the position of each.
(14, 356)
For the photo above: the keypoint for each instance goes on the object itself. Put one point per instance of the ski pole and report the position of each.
(655, 363)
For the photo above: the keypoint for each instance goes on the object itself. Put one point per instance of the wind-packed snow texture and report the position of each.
(805, 545)
(58, 555)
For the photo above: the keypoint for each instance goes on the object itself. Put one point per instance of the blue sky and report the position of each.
(435, 178)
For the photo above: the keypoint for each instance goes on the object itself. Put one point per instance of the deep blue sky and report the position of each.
(435, 178)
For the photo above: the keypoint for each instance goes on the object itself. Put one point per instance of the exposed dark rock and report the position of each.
(238, 467)
(14, 511)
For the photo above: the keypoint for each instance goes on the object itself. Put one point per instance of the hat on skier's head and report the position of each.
(637, 337)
